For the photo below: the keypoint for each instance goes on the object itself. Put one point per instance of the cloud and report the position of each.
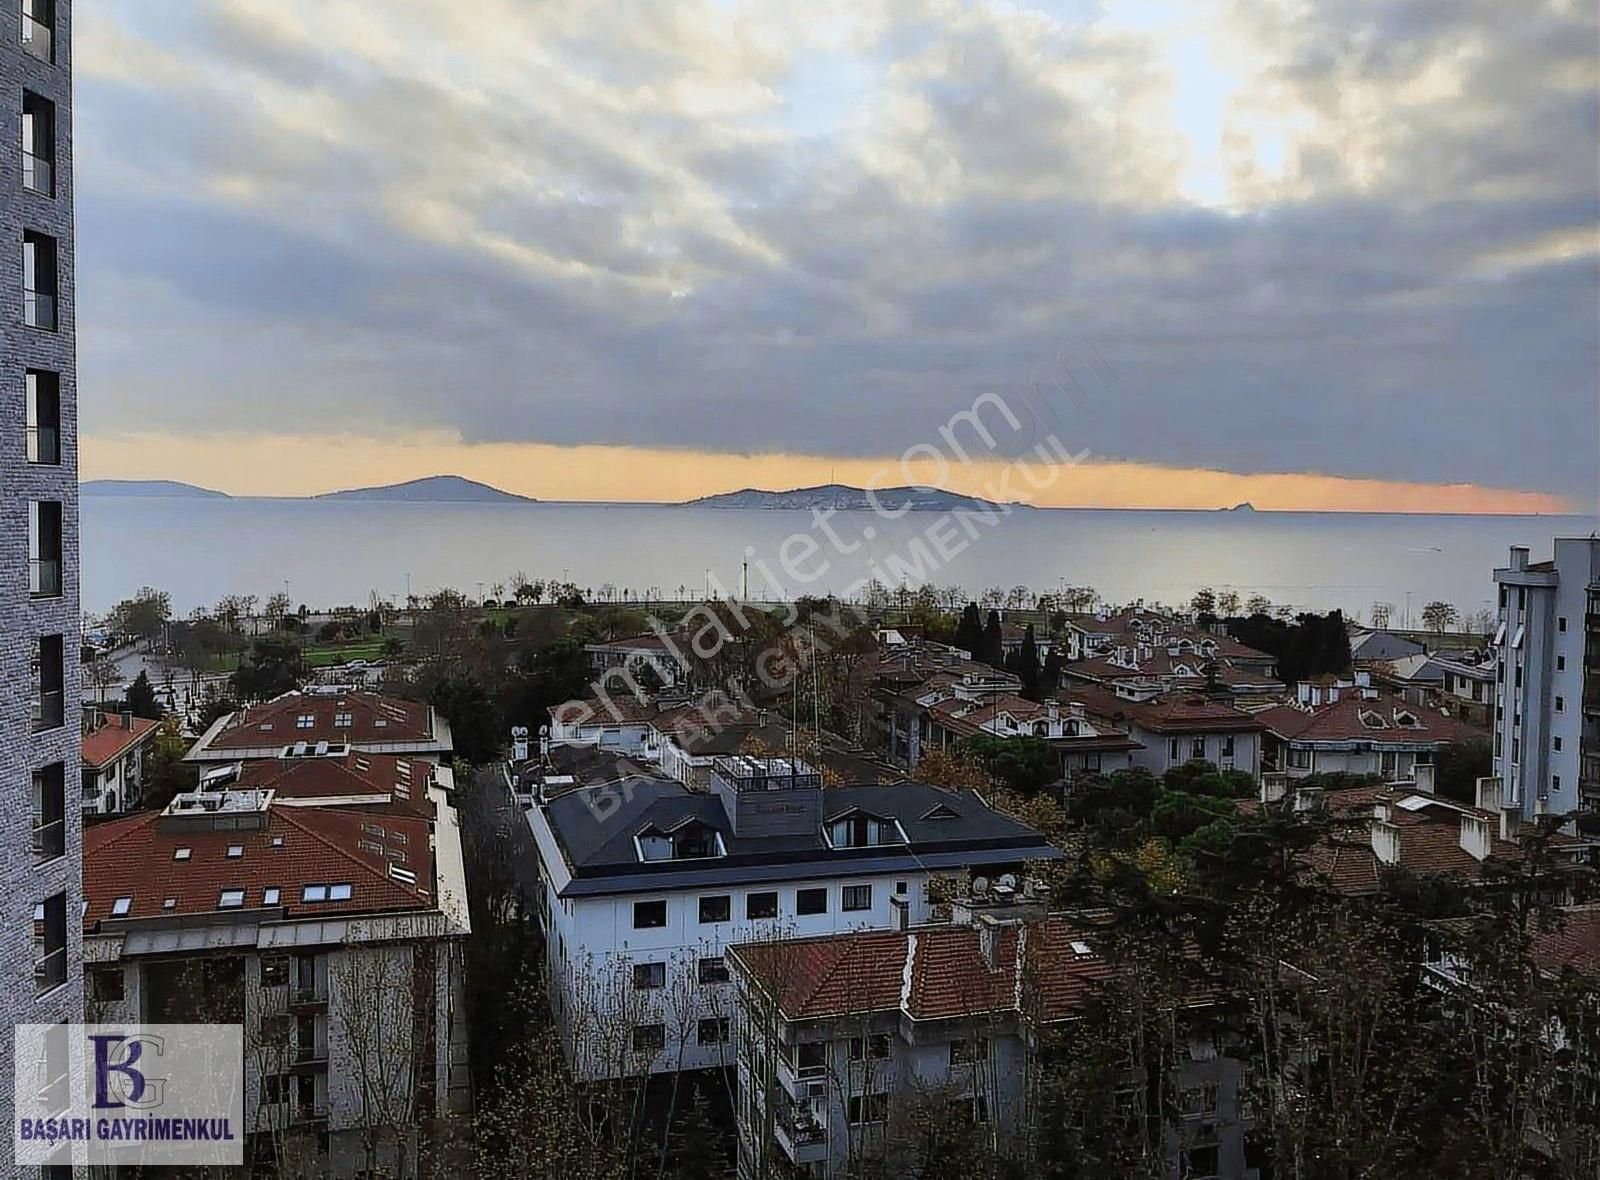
(1348, 237)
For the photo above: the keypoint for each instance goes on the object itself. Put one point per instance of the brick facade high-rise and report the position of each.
(40, 825)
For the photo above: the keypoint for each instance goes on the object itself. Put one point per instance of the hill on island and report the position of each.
(844, 498)
(432, 489)
(168, 488)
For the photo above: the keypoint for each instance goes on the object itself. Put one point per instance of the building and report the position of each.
(1468, 690)
(1350, 727)
(40, 730)
(333, 934)
(341, 777)
(650, 660)
(1177, 728)
(1369, 647)
(1547, 679)
(115, 746)
(646, 882)
(324, 718)
(843, 1036)
(621, 723)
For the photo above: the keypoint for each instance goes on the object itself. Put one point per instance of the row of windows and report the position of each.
(652, 915)
(652, 1038)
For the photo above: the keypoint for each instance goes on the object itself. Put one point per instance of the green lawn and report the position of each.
(321, 655)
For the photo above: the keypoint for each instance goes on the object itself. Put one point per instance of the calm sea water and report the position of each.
(332, 553)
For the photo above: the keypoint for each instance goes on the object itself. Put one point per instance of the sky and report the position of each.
(1330, 255)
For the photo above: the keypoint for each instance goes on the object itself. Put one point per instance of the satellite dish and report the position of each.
(543, 730)
(519, 731)
(1007, 883)
(980, 886)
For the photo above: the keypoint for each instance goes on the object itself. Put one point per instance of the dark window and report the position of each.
(43, 397)
(38, 29)
(875, 1046)
(649, 1038)
(856, 897)
(50, 943)
(812, 1059)
(50, 812)
(38, 144)
(105, 984)
(713, 1031)
(761, 905)
(1561, 704)
(713, 971)
(1561, 624)
(39, 280)
(900, 887)
(649, 915)
(1227, 745)
(44, 548)
(1197, 749)
(715, 909)
(811, 901)
(1172, 748)
(49, 678)
(649, 976)
(274, 970)
(869, 1108)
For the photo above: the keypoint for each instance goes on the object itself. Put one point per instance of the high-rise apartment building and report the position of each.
(40, 831)
(1547, 680)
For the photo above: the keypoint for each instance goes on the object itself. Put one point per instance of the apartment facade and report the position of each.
(1546, 645)
(40, 834)
(646, 882)
(323, 718)
(115, 746)
(333, 934)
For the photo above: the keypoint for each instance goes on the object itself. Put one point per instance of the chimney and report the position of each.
(1422, 777)
(127, 718)
(989, 942)
(1475, 836)
(1052, 710)
(1385, 839)
(1519, 557)
(1487, 796)
(1302, 693)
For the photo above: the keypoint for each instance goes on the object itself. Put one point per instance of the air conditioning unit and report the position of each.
(816, 1089)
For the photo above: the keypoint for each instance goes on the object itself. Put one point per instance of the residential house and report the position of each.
(639, 659)
(324, 718)
(334, 935)
(843, 1036)
(115, 747)
(647, 882)
(1180, 727)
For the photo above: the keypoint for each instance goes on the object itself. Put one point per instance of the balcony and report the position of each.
(1591, 691)
(307, 995)
(39, 310)
(44, 446)
(50, 840)
(311, 1112)
(50, 971)
(49, 710)
(801, 1135)
(44, 577)
(37, 175)
(37, 39)
(311, 1055)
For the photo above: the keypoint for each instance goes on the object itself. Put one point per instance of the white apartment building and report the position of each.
(646, 882)
(1547, 679)
(333, 934)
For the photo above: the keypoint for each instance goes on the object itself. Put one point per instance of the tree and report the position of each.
(955, 769)
(1439, 616)
(1204, 603)
(165, 772)
(1028, 664)
(1380, 614)
(1227, 603)
(102, 672)
(276, 665)
(1022, 764)
(969, 632)
(141, 698)
(994, 643)
(277, 608)
(1457, 767)
(143, 615)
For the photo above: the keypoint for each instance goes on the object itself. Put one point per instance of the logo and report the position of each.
(104, 1094)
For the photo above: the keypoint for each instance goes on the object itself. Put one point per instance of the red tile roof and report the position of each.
(618, 709)
(1574, 943)
(1355, 718)
(136, 857)
(851, 974)
(109, 741)
(394, 781)
(334, 717)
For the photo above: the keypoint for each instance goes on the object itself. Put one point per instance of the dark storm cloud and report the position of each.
(560, 224)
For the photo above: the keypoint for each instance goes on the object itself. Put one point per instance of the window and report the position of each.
(715, 909)
(39, 281)
(1198, 1101)
(1227, 745)
(649, 1038)
(761, 905)
(230, 899)
(49, 678)
(277, 1088)
(314, 893)
(966, 1052)
(713, 971)
(649, 915)
(235, 851)
(1561, 704)
(1558, 745)
(274, 970)
(182, 853)
(811, 1059)
(1172, 748)
(105, 984)
(275, 1028)
(49, 812)
(38, 29)
(810, 901)
(50, 943)
(1561, 663)
(270, 895)
(855, 898)
(1561, 624)
(43, 396)
(712, 1031)
(1197, 749)
(900, 888)
(339, 892)
(38, 143)
(649, 976)
(120, 907)
(1200, 1161)
(875, 1046)
(868, 1108)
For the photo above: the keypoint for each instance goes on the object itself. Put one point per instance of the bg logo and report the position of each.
(118, 1082)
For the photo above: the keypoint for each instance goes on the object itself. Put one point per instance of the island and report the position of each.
(149, 489)
(432, 489)
(844, 498)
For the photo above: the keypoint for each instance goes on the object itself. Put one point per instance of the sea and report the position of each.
(329, 553)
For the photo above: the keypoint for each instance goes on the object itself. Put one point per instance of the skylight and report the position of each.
(235, 851)
(269, 895)
(231, 899)
(120, 907)
(338, 893)
(181, 853)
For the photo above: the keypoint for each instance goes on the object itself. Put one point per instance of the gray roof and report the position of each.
(1381, 645)
(595, 828)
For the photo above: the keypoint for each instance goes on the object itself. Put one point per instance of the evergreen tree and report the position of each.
(993, 644)
(141, 698)
(969, 632)
(1028, 664)
(1050, 677)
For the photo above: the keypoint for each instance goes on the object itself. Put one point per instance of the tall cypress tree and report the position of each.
(1028, 664)
(969, 632)
(994, 646)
